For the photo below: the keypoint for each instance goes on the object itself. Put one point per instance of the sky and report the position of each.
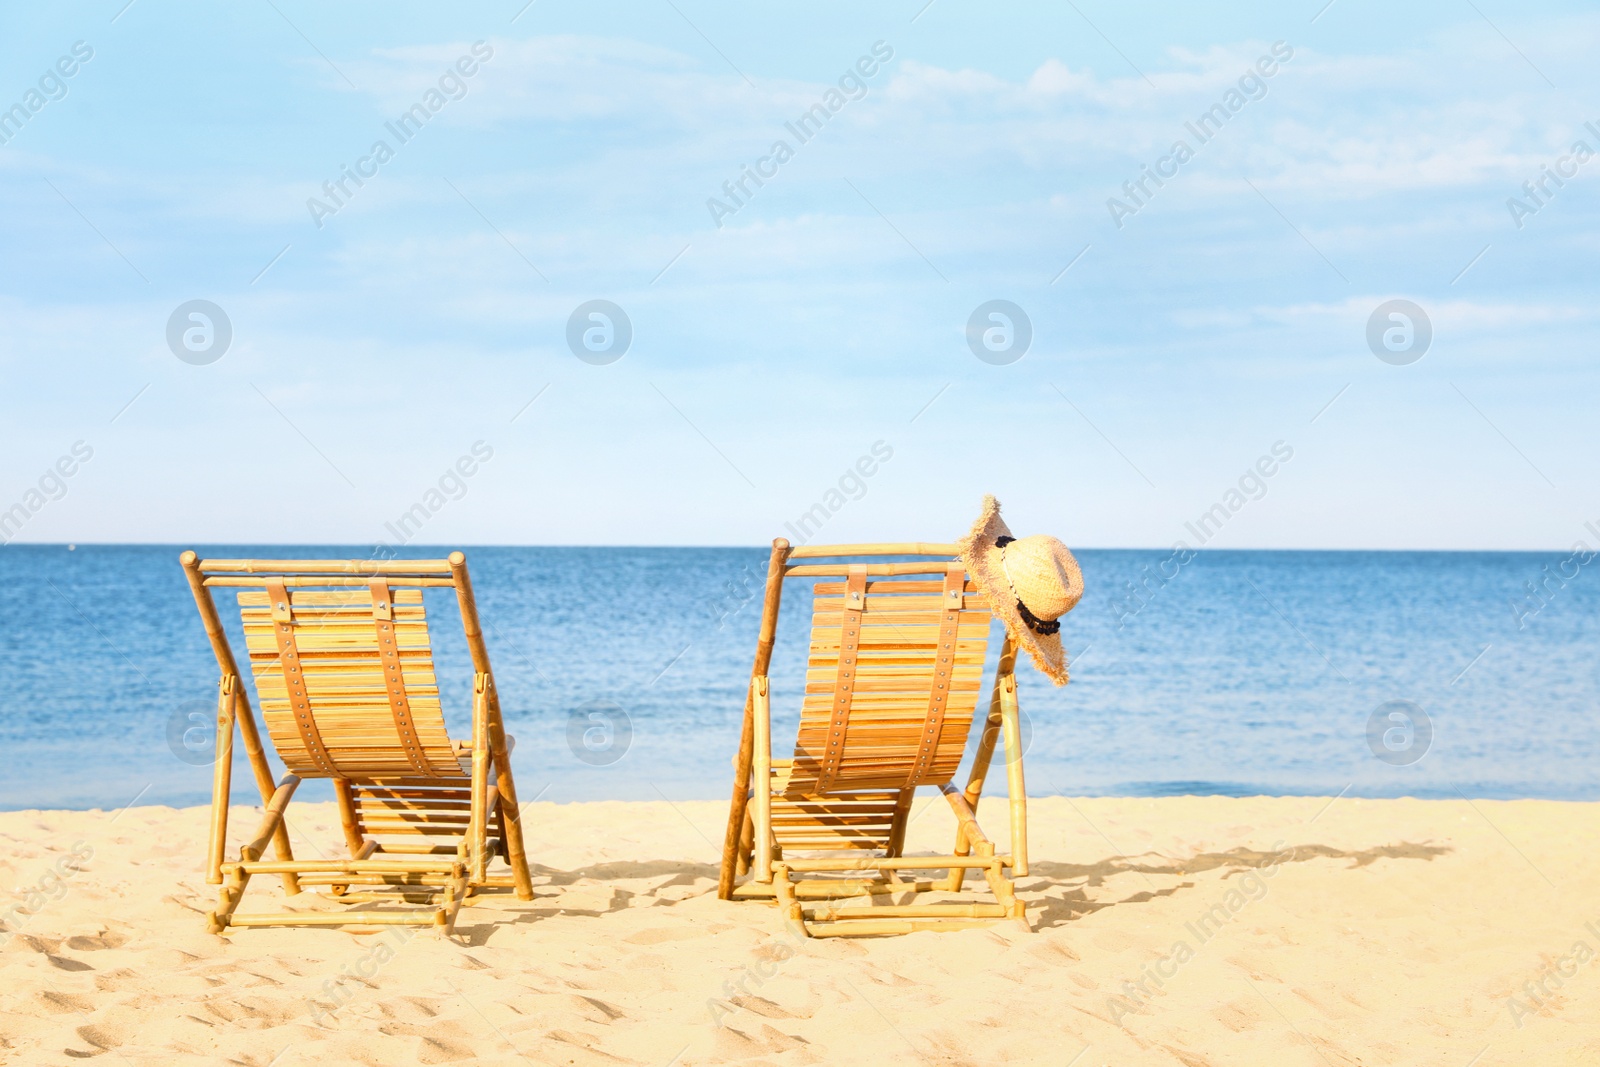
(419, 358)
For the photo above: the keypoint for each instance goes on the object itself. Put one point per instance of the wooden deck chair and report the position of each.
(892, 682)
(344, 672)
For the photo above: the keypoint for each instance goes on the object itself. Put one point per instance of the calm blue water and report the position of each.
(1249, 672)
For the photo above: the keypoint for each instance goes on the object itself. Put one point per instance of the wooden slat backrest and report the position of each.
(895, 673)
(336, 636)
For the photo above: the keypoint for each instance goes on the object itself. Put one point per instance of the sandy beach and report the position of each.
(1188, 931)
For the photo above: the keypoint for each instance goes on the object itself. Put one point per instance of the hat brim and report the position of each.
(983, 559)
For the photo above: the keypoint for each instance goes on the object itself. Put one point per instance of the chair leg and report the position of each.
(510, 809)
(760, 809)
(221, 780)
(444, 920)
(228, 898)
(350, 823)
(902, 818)
(958, 875)
(504, 793)
(747, 844)
(967, 834)
(499, 809)
(493, 836)
(349, 818)
(478, 825)
(897, 828)
(999, 884)
(232, 892)
(1005, 893)
(516, 854)
(788, 903)
(1016, 782)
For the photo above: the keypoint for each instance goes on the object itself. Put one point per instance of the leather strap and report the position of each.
(394, 682)
(293, 678)
(951, 599)
(844, 682)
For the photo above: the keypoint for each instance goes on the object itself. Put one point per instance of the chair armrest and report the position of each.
(463, 749)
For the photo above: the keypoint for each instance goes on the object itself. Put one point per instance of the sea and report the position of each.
(622, 673)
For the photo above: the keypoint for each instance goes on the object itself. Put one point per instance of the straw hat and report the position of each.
(1030, 582)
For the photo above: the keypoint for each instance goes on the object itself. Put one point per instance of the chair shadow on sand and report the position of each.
(1076, 903)
(598, 875)
(1053, 910)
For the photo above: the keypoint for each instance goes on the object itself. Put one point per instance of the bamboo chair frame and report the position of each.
(752, 844)
(375, 802)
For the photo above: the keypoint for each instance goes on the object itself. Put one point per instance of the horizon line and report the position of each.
(449, 546)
